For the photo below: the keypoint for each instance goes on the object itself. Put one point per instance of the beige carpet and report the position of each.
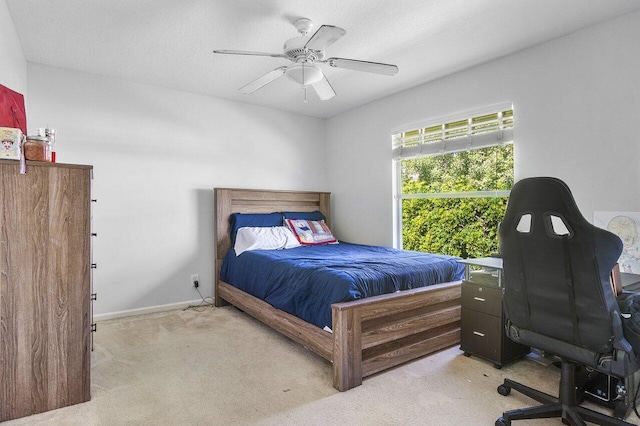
(221, 367)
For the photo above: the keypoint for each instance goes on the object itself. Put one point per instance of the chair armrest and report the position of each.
(619, 342)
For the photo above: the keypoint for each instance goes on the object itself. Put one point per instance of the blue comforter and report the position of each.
(305, 281)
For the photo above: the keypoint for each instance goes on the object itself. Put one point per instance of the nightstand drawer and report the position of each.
(481, 334)
(482, 298)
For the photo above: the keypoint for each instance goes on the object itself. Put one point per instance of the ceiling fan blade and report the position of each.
(243, 52)
(324, 89)
(366, 66)
(324, 37)
(262, 81)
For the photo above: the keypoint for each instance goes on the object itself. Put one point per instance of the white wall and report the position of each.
(13, 66)
(567, 94)
(157, 155)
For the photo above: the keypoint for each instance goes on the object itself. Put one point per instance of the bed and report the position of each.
(368, 335)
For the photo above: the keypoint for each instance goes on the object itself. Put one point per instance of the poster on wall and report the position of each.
(625, 225)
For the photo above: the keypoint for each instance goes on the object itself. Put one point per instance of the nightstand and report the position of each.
(482, 329)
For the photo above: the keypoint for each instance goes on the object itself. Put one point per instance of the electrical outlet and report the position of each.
(195, 280)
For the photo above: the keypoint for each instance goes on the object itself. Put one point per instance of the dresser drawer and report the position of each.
(481, 334)
(482, 298)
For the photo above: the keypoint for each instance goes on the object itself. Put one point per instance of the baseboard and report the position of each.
(147, 310)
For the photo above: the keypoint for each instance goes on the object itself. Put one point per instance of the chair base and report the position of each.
(564, 407)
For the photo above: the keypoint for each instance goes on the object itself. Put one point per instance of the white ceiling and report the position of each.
(169, 43)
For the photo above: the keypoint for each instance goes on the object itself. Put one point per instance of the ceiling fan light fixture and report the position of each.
(304, 73)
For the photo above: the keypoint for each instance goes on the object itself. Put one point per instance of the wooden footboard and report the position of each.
(369, 335)
(377, 333)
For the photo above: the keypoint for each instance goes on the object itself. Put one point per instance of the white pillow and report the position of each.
(264, 238)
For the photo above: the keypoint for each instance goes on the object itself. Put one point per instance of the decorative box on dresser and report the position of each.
(45, 287)
(482, 324)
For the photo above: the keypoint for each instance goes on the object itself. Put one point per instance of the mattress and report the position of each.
(306, 281)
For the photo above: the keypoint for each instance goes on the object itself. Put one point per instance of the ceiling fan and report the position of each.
(306, 53)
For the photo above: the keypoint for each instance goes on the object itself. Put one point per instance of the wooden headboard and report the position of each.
(230, 200)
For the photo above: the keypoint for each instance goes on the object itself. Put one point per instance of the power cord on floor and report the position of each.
(207, 302)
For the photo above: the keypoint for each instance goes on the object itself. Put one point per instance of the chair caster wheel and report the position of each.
(566, 422)
(467, 354)
(503, 422)
(503, 390)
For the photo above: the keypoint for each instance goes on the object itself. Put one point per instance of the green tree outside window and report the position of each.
(455, 212)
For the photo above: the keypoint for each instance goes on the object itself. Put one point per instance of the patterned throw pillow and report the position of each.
(311, 232)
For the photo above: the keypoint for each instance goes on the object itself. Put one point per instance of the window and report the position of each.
(452, 182)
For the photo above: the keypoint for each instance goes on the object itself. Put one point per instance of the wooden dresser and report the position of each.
(45, 287)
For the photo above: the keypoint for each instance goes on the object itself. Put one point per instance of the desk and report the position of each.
(482, 330)
(630, 282)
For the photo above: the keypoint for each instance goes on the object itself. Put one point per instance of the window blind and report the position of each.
(477, 132)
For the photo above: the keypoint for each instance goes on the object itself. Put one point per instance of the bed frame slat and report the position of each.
(405, 300)
(415, 323)
(416, 346)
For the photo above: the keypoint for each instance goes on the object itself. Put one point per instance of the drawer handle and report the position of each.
(477, 333)
(479, 299)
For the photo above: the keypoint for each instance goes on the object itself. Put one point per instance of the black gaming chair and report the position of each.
(558, 296)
